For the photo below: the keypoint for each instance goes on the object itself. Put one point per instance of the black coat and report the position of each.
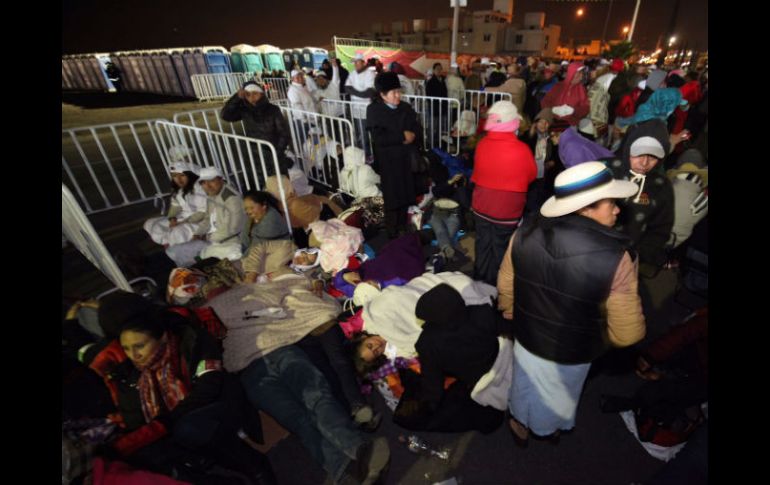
(392, 158)
(263, 121)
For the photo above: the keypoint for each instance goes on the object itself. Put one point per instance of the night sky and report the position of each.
(105, 26)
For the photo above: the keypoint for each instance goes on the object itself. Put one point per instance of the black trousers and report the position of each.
(396, 220)
(491, 242)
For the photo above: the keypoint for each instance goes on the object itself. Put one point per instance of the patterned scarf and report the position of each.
(165, 381)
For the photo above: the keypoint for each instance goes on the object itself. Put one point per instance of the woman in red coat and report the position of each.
(503, 169)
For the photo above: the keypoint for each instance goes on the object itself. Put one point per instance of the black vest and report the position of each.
(563, 271)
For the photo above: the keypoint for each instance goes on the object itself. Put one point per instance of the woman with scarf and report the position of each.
(176, 403)
(265, 239)
(570, 92)
(397, 137)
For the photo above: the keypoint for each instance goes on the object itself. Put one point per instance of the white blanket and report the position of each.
(493, 387)
(392, 313)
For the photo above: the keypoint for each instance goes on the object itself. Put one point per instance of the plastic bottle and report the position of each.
(415, 444)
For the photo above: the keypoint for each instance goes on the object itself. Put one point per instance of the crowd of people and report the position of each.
(578, 191)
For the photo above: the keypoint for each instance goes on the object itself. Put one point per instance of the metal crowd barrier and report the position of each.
(318, 141)
(276, 88)
(313, 135)
(114, 165)
(78, 230)
(211, 87)
(243, 161)
(355, 113)
(474, 100)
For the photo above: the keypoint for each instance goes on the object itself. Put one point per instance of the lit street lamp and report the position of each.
(672, 40)
(579, 12)
(626, 29)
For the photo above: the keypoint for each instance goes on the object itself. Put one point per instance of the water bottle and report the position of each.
(415, 444)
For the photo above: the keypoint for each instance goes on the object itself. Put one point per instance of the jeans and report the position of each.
(287, 386)
(445, 223)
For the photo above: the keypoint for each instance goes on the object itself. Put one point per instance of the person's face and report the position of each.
(180, 179)
(547, 75)
(138, 346)
(212, 187)
(360, 65)
(438, 70)
(304, 259)
(392, 97)
(578, 77)
(371, 348)
(605, 213)
(254, 210)
(299, 79)
(542, 126)
(321, 81)
(643, 164)
(253, 97)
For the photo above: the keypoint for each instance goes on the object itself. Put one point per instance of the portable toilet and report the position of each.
(69, 77)
(172, 74)
(87, 77)
(288, 59)
(217, 60)
(157, 64)
(246, 58)
(149, 72)
(318, 55)
(271, 55)
(182, 73)
(296, 55)
(140, 73)
(306, 58)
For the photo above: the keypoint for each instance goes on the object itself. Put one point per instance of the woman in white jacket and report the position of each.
(187, 216)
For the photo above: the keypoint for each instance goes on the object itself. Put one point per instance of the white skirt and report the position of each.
(160, 232)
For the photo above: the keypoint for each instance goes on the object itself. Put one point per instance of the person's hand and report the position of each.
(457, 178)
(409, 137)
(173, 222)
(508, 315)
(72, 313)
(683, 135)
(242, 93)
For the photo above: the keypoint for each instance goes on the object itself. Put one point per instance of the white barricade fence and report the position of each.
(78, 230)
(211, 87)
(276, 88)
(437, 115)
(474, 100)
(355, 113)
(245, 162)
(318, 141)
(313, 137)
(114, 165)
(418, 85)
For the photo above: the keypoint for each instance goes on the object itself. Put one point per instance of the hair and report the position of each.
(495, 79)
(151, 322)
(191, 181)
(438, 64)
(262, 198)
(359, 364)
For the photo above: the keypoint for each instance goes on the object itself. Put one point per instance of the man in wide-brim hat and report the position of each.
(569, 282)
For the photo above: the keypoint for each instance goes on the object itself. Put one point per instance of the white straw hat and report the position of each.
(582, 185)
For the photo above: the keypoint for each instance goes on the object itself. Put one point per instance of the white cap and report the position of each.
(647, 145)
(358, 57)
(586, 126)
(209, 173)
(181, 167)
(295, 72)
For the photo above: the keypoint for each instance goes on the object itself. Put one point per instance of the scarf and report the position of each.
(660, 105)
(164, 383)
(509, 126)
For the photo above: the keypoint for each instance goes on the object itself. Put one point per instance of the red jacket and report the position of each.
(502, 162)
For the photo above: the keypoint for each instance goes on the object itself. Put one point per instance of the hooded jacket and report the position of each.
(648, 217)
(565, 93)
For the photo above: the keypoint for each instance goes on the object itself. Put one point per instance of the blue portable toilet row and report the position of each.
(317, 56)
(246, 58)
(272, 57)
(162, 71)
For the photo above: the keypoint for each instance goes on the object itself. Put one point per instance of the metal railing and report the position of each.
(114, 165)
(245, 162)
(211, 87)
(318, 141)
(78, 230)
(364, 43)
(437, 115)
(355, 113)
(474, 100)
(276, 88)
(312, 136)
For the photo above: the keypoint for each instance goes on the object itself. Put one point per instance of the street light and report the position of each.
(579, 12)
(671, 40)
(626, 29)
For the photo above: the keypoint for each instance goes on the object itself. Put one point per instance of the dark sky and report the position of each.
(110, 25)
